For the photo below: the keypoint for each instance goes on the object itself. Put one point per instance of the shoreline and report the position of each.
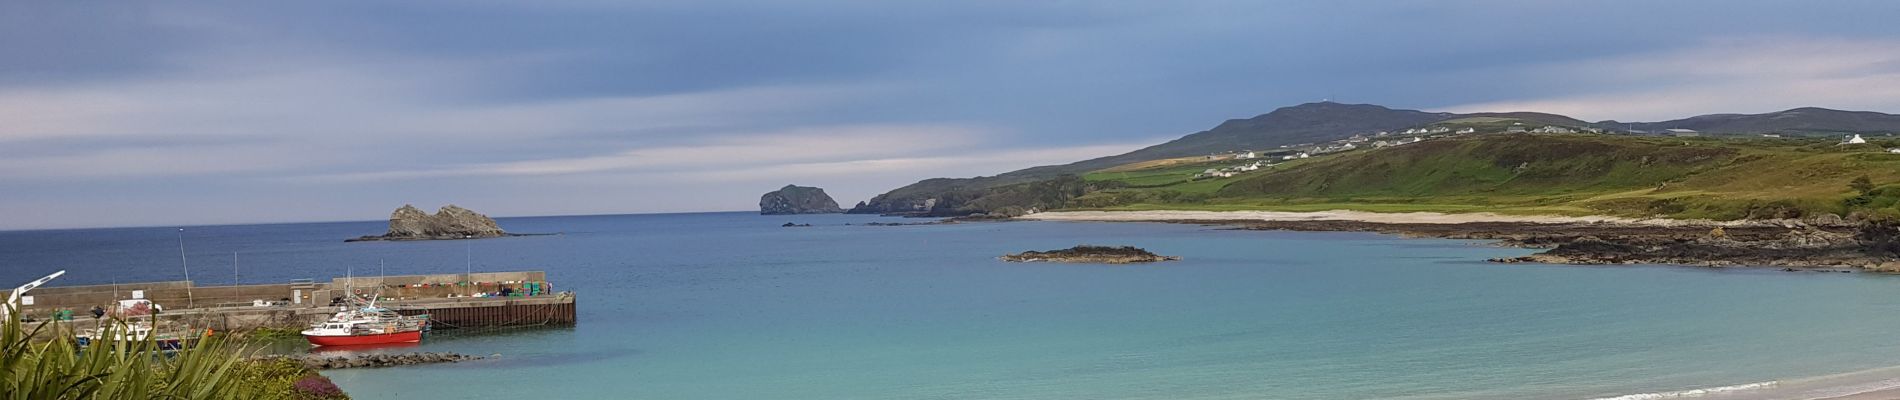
(1812, 245)
(1371, 217)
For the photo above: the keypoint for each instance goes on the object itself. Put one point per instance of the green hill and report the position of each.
(1561, 174)
(1311, 123)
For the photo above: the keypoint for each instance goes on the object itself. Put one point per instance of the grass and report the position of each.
(1710, 178)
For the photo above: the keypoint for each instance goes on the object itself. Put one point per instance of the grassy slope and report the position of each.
(1536, 174)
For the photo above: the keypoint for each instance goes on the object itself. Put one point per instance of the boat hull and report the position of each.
(357, 340)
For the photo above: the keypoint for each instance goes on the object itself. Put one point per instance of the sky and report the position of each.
(205, 112)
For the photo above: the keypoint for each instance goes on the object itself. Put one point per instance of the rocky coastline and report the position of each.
(376, 360)
(1788, 244)
(1091, 254)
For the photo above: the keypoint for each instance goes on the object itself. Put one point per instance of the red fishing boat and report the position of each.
(368, 324)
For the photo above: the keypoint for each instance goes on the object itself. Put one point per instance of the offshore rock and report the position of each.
(1091, 254)
(449, 222)
(794, 199)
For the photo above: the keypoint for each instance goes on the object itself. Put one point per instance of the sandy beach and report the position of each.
(1345, 215)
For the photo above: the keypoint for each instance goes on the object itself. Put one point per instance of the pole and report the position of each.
(234, 269)
(468, 262)
(187, 265)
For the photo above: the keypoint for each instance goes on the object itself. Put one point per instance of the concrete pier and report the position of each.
(451, 300)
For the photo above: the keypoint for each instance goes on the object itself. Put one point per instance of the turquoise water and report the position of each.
(731, 306)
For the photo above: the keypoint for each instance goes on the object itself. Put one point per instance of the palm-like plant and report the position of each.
(36, 365)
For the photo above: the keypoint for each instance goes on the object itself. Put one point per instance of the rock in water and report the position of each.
(1091, 254)
(794, 199)
(449, 222)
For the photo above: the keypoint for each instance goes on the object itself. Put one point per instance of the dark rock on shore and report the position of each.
(795, 225)
(319, 361)
(1091, 254)
(449, 222)
(1869, 247)
(794, 199)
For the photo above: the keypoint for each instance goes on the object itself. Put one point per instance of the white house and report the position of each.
(1895, 150)
(1246, 156)
(1467, 130)
(1682, 132)
(1854, 140)
(1304, 155)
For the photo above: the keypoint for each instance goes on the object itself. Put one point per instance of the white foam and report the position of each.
(1692, 393)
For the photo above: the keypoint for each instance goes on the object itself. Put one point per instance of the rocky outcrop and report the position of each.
(794, 199)
(318, 361)
(449, 222)
(1091, 254)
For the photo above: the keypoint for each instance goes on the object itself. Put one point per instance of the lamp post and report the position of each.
(186, 265)
(468, 262)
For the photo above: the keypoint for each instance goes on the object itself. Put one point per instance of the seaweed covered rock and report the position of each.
(1091, 254)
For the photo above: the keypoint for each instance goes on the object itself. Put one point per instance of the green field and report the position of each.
(1540, 174)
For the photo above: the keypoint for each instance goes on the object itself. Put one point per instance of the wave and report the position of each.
(1693, 393)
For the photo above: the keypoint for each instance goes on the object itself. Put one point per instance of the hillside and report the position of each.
(1305, 123)
(1807, 120)
(1546, 174)
(1327, 121)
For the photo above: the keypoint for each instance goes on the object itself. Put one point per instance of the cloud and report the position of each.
(1751, 74)
(822, 152)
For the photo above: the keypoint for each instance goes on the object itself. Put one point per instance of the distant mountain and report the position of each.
(1328, 121)
(1806, 120)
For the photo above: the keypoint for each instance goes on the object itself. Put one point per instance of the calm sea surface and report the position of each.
(732, 306)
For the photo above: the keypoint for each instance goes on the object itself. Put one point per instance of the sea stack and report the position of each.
(794, 199)
(449, 222)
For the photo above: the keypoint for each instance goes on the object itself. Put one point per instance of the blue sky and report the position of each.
(166, 113)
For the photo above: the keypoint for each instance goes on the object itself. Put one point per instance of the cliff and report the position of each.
(449, 222)
(794, 199)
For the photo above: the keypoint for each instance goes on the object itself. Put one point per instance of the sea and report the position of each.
(735, 306)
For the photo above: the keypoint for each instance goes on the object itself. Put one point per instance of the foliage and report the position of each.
(46, 363)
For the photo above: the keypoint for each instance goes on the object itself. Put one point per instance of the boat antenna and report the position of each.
(187, 265)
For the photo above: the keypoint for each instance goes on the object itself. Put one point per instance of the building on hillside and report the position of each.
(1895, 150)
(1553, 129)
(1682, 132)
(1855, 139)
(1771, 135)
(1467, 130)
(1246, 155)
(1515, 128)
(1438, 129)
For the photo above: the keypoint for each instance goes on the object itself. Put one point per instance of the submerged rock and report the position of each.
(794, 199)
(1091, 254)
(318, 361)
(449, 222)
